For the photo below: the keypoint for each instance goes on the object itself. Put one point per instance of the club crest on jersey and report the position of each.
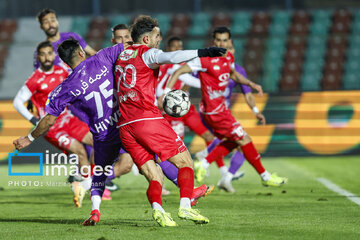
(127, 54)
(216, 67)
(43, 86)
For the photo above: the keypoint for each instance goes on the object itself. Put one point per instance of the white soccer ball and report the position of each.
(176, 103)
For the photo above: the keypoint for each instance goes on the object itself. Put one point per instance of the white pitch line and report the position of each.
(335, 188)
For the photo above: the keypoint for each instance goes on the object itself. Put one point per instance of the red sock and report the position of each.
(220, 162)
(253, 157)
(91, 171)
(220, 151)
(186, 182)
(154, 192)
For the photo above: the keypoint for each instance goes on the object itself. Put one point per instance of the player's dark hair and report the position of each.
(119, 27)
(43, 13)
(141, 25)
(220, 30)
(171, 40)
(67, 50)
(44, 44)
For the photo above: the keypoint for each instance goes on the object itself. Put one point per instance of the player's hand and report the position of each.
(261, 118)
(22, 142)
(257, 87)
(211, 52)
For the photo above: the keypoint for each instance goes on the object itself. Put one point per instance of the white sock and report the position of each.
(223, 170)
(78, 177)
(157, 206)
(135, 170)
(86, 183)
(265, 176)
(202, 153)
(205, 163)
(185, 203)
(95, 202)
(228, 176)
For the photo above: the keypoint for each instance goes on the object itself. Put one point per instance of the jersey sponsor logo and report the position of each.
(111, 121)
(215, 60)
(55, 92)
(216, 67)
(127, 54)
(224, 79)
(215, 93)
(60, 71)
(52, 80)
(130, 94)
(40, 79)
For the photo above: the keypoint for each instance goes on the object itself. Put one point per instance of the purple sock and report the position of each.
(112, 176)
(213, 144)
(236, 162)
(89, 150)
(170, 171)
(98, 185)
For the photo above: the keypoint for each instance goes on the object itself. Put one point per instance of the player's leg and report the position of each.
(254, 158)
(104, 156)
(236, 161)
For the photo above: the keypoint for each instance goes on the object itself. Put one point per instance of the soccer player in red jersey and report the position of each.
(143, 130)
(214, 74)
(68, 133)
(192, 119)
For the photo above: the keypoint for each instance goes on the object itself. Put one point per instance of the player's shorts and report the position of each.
(66, 130)
(106, 153)
(224, 125)
(143, 139)
(192, 120)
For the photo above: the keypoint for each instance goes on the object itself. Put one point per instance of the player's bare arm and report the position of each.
(237, 77)
(89, 50)
(250, 100)
(45, 123)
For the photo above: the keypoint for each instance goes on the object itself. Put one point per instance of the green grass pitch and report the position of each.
(303, 209)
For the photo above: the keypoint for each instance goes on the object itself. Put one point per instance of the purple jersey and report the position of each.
(90, 89)
(232, 84)
(63, 36)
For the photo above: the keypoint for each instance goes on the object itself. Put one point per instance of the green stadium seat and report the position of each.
(200, 24)
(120, 19)
(311, 82)
(241, 23)
(280, 23)
(353, 53)
(270, 82)
(164, 22)
(194, 44)
(80, 25)
(351, 81)
(352, 67)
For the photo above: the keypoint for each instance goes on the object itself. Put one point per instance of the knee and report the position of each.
(128, 163)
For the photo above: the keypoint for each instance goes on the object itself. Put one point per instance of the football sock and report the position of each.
(186, 184)
(185, 203)
(220, 162)
(95, 202)
(253, 157)
(154, 193)
(86, 183)
(223, 170)
(112, 176)
(220, 151)
(236, 162)
(157, 206)
(170, 171)
(265, 176)
(213, 144)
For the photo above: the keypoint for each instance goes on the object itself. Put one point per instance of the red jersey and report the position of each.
(136, 84)
(165, 72)
(214, 76)
(42, 83)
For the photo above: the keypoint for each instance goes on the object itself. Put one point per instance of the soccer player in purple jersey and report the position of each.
(50, 25)
(90, 89)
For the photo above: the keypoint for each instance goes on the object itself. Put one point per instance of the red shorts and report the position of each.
(192, 120)
(66, 130)
(224, 125)
(146, 138)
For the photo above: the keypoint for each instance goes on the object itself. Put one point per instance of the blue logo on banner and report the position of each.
(16, 154)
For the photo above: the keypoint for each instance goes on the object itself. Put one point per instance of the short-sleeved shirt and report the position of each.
(90, 88)
(41, 83)
(232, 84)
(136, 84)
(214, 76)
(63, 36)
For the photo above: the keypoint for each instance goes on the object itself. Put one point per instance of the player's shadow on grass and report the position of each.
(118, 222)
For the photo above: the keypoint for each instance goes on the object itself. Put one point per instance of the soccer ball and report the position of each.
(176, 103)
